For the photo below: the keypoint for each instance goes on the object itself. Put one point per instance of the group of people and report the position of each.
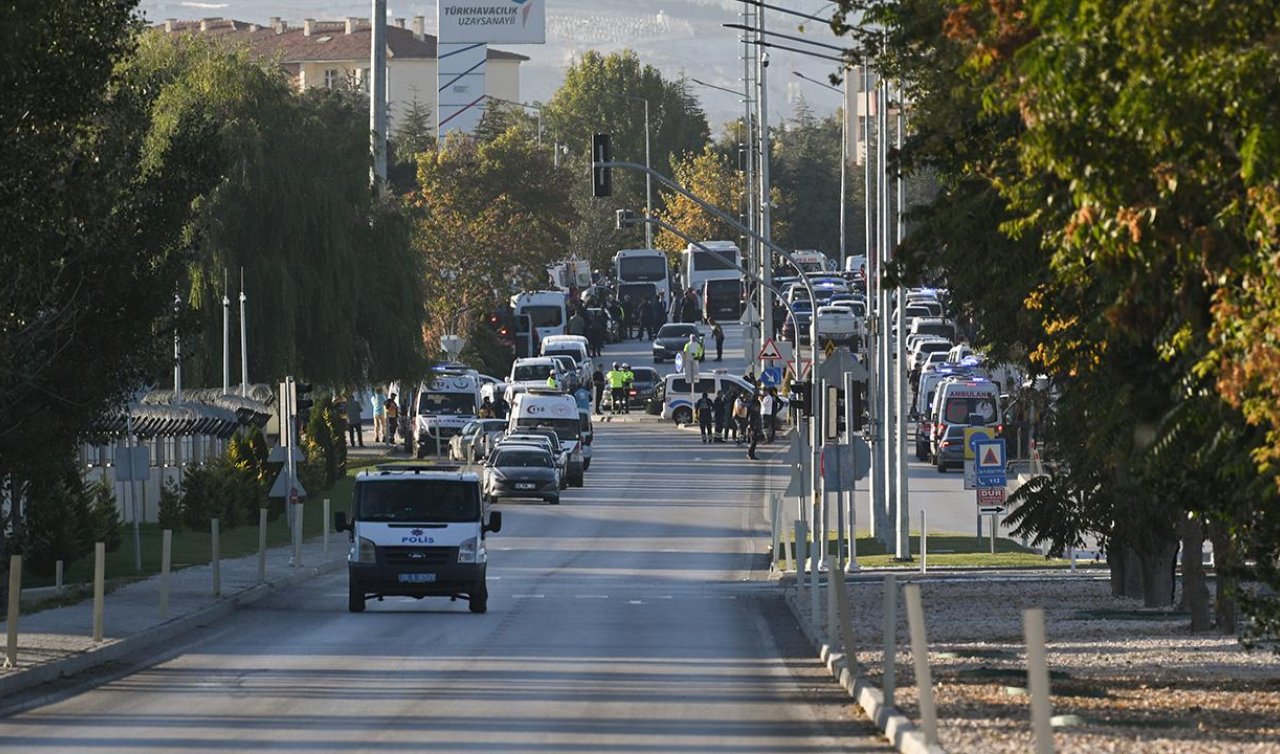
(747, 418)
(619, 380)
(386, 418)
(495, 408)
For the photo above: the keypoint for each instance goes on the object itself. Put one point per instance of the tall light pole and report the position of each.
(244, 344)
(378, 94)
(226, 337)
(648, 181)
(177, 351)
(844, 152)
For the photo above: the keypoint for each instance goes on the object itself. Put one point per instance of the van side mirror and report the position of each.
(495, 522)
(340, 521)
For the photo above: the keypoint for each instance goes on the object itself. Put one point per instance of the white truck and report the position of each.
(443, 406)
(417, 531)
(838, 324)
(542, 408)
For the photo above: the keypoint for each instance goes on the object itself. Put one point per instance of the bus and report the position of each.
(719, 260)
(633, 267)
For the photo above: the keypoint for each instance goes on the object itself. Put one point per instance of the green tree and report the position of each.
(411, 135)
(711, 177)
(93, 248)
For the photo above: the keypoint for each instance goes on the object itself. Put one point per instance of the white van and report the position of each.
(573, 346)
(417, 531)
(552, 409)
(546, 311)
(966, 401)
(533, 372)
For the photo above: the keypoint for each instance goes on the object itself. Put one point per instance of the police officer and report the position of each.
(551, 381)
(628, 377)
(617, 388)
(693, 349)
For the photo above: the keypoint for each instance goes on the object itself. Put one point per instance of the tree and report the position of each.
(93, 248)
(490, 217)
(411, 135)
(292, 209)
(604, 93)
(712, 178)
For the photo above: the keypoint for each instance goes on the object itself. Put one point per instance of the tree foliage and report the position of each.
(713, 178)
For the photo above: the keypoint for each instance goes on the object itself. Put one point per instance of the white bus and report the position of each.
(720, 260)
(640, 266)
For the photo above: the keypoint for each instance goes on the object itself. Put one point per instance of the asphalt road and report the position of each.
(634, 617)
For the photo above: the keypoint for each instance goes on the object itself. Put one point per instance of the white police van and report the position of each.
(677, 399)
(417, 531)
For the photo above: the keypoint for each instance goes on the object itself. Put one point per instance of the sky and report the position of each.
(675, 36)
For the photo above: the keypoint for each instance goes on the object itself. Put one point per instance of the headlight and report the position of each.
(471, 551)
(366, 551)
(497, 473)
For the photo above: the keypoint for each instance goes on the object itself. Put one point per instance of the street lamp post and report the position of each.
(648, 181)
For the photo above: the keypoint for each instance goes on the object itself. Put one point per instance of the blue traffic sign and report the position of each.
(771, 376)
(989, 466)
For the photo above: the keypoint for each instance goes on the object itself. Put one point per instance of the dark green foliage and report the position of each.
(104, 516)
(219, 489)
(57, 524)
(170, 509)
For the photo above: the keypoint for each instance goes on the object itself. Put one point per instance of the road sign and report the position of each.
(829, 348)
(794, 456)
(800, 368)
(991, 496)
(771, 376)
(841, 362)
(133, 464)
(990, 510)
(281, 487)
(770, 352)
(974, 435)
(795, 488)
(989, 463)
(277, 455)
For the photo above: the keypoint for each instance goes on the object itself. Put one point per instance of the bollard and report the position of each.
(214, 560)
(166, 562)
(57, 577)
(844, 618)
(801, 555)
(15, 605)
(924, 544)
(324, 521)
(262, 545)
(1073, 559)
(99, 587)
(832, 607)
(889, 678)
(920, 654)
(297, 536)
(779, 554)
(1038, 680)
(815, 604)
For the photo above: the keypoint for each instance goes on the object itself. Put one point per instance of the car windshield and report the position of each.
(677, 331)
(644, 374)
(572, 354)
(531, 372)
(529, 459)
(417, 501)
(447, 403)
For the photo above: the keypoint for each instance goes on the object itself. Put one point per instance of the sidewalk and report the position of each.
(59, 641)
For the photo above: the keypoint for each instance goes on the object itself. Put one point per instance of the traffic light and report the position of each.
(624, 218)
(304, 402)
(802, 397)
(601, 177)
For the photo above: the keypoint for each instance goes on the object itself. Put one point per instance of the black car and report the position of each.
(522, 471)
(951, 449)
(671, 340)
(643, 386)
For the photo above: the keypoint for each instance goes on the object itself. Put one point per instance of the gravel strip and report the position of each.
(1138, 679)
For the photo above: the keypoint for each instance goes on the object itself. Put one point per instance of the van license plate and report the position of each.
(417, 578)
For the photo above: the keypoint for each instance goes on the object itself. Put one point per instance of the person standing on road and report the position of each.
(717, 332)
(628, 377)
(617, 379)
(393, 412)
(766, 415)
(646, 319)
(379, 416)
(705, 410)
(597, 380)
(773, 416)
(754, 428)
(500, 407)
(355, 421)
(739, 427)
(718, 411)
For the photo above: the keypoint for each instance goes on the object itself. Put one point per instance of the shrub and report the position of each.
(104, 516)
(170, 507)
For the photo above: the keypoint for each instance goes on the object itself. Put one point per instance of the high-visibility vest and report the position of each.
(616, 378)
(628, 377)
(551, 380)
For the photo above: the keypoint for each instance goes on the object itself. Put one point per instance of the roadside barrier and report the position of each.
(166, 562)
(1038, 679)
(920, 654)
(15, 601)
(99, 587)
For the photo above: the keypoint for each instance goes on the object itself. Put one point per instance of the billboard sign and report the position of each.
(493, 21)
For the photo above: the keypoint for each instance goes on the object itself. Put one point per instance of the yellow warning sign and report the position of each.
(974, 435)
(830, 348)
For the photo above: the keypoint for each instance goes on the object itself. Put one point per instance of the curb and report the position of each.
(23, 680)
(897, 728)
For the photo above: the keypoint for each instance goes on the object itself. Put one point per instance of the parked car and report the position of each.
(519, 470)
(672, 338)
(951, 449)
(476, 439)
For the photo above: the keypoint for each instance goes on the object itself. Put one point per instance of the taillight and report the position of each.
(999, 429)
(946, 443)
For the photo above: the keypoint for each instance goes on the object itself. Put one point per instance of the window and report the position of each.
(418, 500)
(331, 78)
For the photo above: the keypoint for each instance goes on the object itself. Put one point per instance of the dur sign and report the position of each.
(493, 21)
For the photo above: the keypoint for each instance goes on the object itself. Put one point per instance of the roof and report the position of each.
(418, 471)
(328, 41)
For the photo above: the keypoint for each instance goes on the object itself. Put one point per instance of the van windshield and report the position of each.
(463, 404)
(565, 429)
(531, 372)
(958, 410)
(417, 501)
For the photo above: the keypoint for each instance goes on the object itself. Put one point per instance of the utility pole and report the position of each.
(765, 257)
(378, 95)
(244, 345)
(226, 337)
